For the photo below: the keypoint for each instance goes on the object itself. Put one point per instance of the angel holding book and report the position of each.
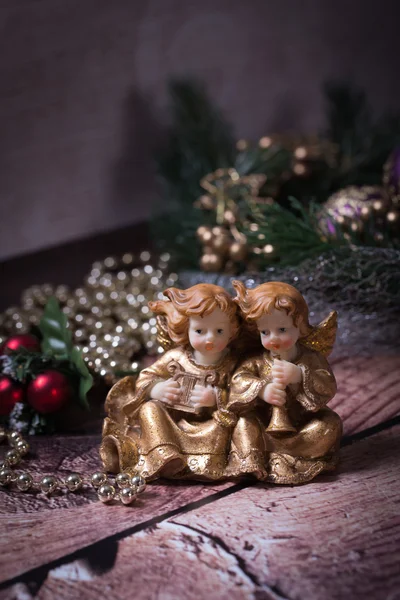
(172, 421)
(203, 409)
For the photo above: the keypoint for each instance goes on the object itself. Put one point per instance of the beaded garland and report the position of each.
(108, 315)
(124, 487)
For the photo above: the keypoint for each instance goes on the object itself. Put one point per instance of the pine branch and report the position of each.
(294, 237)
(200, 141)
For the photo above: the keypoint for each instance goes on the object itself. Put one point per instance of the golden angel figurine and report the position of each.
(172, 421)
(284, 429)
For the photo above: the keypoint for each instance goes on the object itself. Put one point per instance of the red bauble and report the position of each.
(49, 392)
(16, 342)
(11, 392)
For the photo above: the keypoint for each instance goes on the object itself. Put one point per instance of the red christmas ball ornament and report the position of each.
(48, 392)
(16, 342)
(11, 392)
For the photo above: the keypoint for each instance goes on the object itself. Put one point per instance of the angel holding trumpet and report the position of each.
(240, 391)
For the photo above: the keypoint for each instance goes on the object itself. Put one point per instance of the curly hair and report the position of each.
(264, 298)
(198, 300)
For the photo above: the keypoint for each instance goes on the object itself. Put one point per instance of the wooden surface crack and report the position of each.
(198, 540)
(270, 593)
(365, 433)
(217, 541)
(89, 551)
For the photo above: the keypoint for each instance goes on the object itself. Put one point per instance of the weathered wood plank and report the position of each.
(63, 524)
(336, 538)
(368, 390)
(56, 533)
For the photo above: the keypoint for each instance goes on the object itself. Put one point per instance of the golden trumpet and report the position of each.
(280, 422)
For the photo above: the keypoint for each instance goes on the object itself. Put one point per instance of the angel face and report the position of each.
(211, 333)
(278, 332)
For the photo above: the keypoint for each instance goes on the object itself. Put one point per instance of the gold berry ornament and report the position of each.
(238, 251)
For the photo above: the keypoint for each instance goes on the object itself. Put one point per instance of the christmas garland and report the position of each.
(59, 340)
(240, 206)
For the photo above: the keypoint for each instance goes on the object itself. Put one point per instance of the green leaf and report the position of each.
(85, 378)
(56, 337)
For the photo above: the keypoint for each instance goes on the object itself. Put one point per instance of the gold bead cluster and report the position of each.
(224, 246)
(108, 315)
(125, 487)
(220, 249)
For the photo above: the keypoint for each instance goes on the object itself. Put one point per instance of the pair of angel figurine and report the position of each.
(241, 390)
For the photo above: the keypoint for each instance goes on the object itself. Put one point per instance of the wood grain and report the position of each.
(369, 392)
(63, 524)
(336, 538)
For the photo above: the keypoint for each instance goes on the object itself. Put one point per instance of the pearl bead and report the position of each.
(13, 457)
(138, 482)
(123, 480)
(14, 437)
(5, 476)
(22, 447)
(24, 482)
(48, 484)
(74, 482)
(106, 492)
(98, 479)
(127, 495)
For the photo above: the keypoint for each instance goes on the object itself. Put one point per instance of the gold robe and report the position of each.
(159, 440)
(285, 458)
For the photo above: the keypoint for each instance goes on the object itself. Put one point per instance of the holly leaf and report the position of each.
(56, 337)
(85, 378)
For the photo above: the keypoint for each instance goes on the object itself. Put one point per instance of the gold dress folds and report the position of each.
(161, 440)
(292, 457)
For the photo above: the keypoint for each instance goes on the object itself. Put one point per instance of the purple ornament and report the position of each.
(391, 176)
(349, 207)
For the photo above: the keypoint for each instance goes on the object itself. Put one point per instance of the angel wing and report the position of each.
(163, 337)
(322, 337)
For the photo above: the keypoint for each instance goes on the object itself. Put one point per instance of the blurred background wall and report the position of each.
(83, 93)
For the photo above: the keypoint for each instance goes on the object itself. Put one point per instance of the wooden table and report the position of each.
(336, 538)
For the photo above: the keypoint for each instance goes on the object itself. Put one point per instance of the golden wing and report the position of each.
(163, 337)
(322, 337)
